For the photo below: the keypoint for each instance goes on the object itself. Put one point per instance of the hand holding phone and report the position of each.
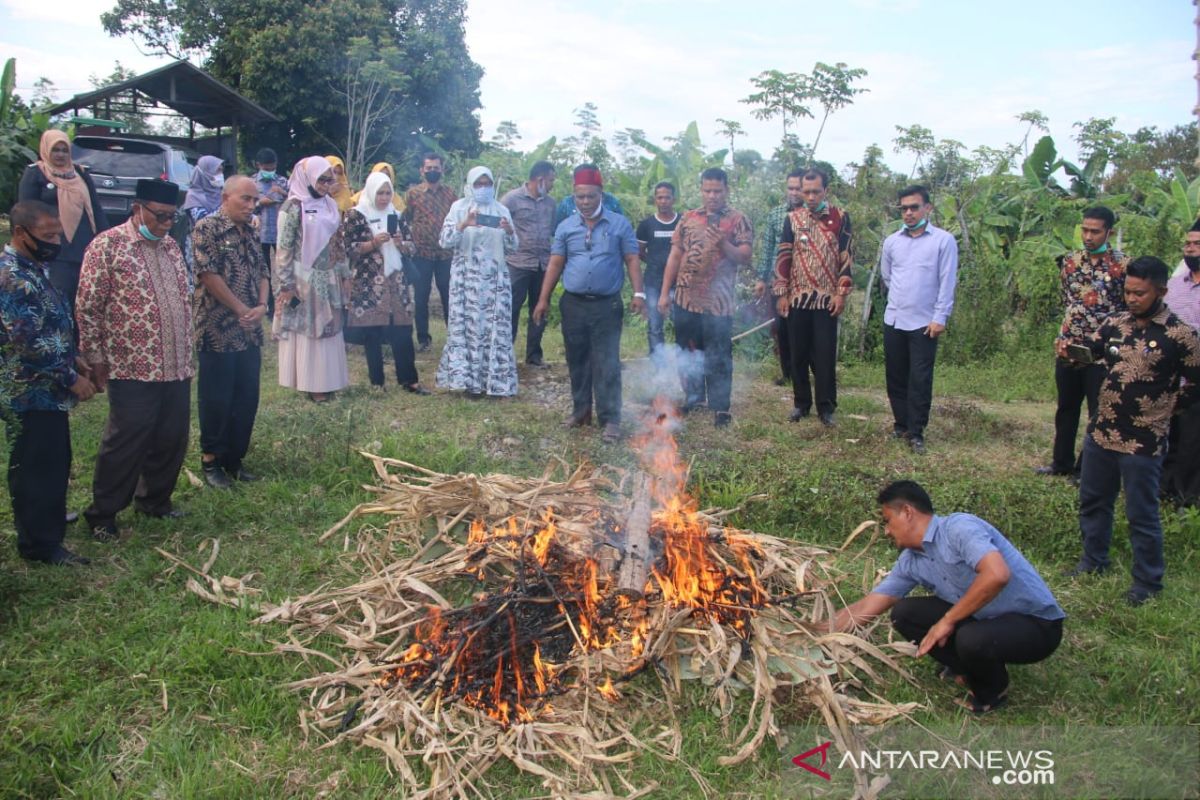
(393, 224)
(1081, 354)
(487, 220)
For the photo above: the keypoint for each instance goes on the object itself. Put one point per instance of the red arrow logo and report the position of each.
(801, 760)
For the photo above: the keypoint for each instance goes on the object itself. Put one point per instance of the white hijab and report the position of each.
(377, 219)
(473, 238)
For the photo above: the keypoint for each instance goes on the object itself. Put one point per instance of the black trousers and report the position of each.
(1181, 469)
(706, 360)
(268, 251)
(591, 329)
(813, 335)
(400, 339)
(430, 271)
(142, 449)
(227, 396)
(39, 463)
(908, 364)
(526, 289)
(783, 345)
(1075, 384)
(979, 648)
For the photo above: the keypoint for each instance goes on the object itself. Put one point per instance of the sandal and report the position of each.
(979, 709)
(950, 676)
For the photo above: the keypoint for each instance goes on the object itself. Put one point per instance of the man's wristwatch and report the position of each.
(639, 295)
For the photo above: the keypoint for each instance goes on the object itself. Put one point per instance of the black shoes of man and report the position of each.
(218, 477)
(826, 417)
(62, 557)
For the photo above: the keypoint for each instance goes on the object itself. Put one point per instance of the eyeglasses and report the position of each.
(911, 207)
(325, 180)
(163, 217)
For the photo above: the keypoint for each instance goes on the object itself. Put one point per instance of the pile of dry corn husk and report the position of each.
(411, 549)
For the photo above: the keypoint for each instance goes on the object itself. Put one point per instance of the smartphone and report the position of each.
(488, 220)
(295, 301)
(714, 221)
(393, 224)
(1080, 354)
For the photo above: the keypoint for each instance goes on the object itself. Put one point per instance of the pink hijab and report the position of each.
(319, 216)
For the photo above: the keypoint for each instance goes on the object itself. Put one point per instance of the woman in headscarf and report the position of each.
(312, 279)
(386, 169)
(56, 181)
(380, 302)
(341, 193)
(478, 357)
(203, 198)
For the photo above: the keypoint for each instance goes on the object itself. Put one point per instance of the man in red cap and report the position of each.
(587, 252)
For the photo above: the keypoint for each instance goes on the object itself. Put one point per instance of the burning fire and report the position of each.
(505, 652)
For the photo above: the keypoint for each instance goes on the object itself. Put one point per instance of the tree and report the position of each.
(914, 139)
(370, 83)
(1036, 120)
(731, 130)
(830, 87)
(506, 135)
(1099, 136)
(780, 94)
(286, 54)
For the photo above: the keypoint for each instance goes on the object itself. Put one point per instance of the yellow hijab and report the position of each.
(342, 194)
(386, 169)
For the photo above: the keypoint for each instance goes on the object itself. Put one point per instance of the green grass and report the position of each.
(117, 682)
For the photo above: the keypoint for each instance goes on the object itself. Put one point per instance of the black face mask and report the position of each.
(44, 251)
(1154, 309)
(1193, 262)
(433, 175)
(313, 192)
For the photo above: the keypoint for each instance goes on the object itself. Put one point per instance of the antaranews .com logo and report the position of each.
(1004, 767)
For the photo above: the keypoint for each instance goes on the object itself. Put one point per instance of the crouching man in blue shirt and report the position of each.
(988, 608)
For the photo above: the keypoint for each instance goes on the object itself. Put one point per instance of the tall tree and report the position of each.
(831, 87)
(780, 94)
(915, 139)
(730, 129)
(1036, 120)
(370, 84)
(286, 54)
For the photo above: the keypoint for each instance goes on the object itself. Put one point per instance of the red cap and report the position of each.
(588, 176)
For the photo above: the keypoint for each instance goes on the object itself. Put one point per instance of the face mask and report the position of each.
(484, 194)
(219, 181)
(266, 176)
(44, 251)
(1099, 250)
(916, 226)
(821, 208)
(1154, 309)
(433, 175)
(314, 193)
(146, 234)
(1193, 262)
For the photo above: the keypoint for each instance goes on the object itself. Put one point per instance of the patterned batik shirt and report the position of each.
(1090, 292)
(1141, 387)
(132, 307)
(37, 348)
(233, 253)
(772, 232)
(426, 207)
(814, 259)
(706, 280)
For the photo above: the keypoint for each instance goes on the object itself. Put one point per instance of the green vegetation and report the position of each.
(117, 682)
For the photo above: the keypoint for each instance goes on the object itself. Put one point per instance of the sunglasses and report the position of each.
(163, 217)
(911, 207)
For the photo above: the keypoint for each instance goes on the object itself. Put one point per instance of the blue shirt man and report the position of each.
(566, 207)
(989, 606)
(919, 269)
(587, 252)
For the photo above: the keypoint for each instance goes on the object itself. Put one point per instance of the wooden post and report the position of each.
(636, 558)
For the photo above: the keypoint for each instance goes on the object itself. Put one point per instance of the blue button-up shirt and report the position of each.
(945, 564)
(268, 216)
(920, 273)
(596, 263)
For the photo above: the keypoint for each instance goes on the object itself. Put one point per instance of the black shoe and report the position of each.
(917, 443)
(171, 513)
(106, 532)
(71, 518)
(243, 475)
(899, 434)
(62, 557)
(1137, 595)
(214, 475)
(1050, 470)
(1081, 569)
(537, 361)
(579, 419)
(415, 388)
(827, 419)
(612, 432)
(424, 346)
(782, 380)
(797, 414)
(722, 419)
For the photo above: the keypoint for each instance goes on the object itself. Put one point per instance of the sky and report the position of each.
(962, 69)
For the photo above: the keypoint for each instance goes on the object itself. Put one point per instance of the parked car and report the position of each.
(116, 164)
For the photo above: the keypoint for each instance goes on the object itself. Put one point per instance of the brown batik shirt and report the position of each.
(814, 259)
(706, 279)
(1141, 386)
(426, 207)
(231, 252)
(1090, 292)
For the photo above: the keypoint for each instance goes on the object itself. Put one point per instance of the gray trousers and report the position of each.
(143, 447)
(591, 329)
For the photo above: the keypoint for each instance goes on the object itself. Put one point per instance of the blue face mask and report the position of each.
(1099, 250)
(146, 234)
(484, 194)
(266, 176)
(916, 226)
(821, 209)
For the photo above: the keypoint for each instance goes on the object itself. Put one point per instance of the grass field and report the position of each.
(116, 682)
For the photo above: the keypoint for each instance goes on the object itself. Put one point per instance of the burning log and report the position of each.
(636, 556)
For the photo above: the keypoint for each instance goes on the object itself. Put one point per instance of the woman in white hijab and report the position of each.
(478, 358)
(381, 307)
(311, 276)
